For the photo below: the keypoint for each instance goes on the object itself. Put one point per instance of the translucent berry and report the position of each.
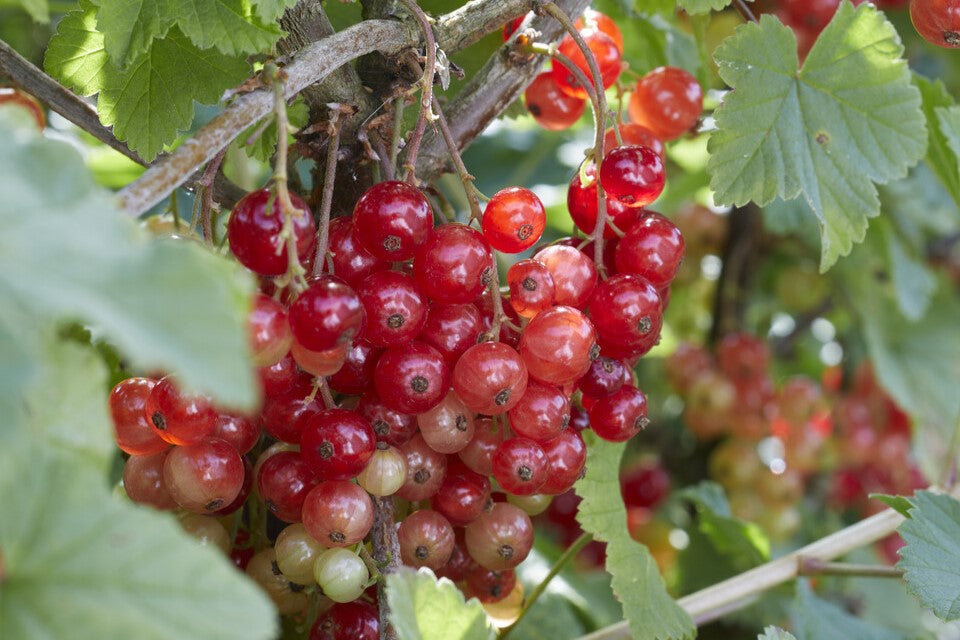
(386, 471)
(283, 482)
(412, 378)
(531, 287)
(501, 538)
(520, 466)
(463, 494)
(132, 428)
(391, 220)
(452, 329)
(558, 345)
(652, 249)
(633, 175)
(426, 470)
(357, 620)
(478, 454)
(328, 313)
(553, 109)
(626, 310)
(453, 265)
(203, 477)
(351, 262)
(542, 413)
(513, 220)
(179, 417)
(337, 443)
(566, 459)
(490, 378)
(394, 308)
(937, 21)
(668, 101)
(337, 513)
(426, 539)
(620, 416)
(574, 274)
(447, 427)
(605, 51)
(254, 232)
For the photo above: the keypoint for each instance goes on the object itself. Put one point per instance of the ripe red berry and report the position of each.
(351, 262)
(337, 513)
(393, 427)
(582, 205)
(337, 443)
(143, 481)
(596, 21)
(426, 470)
(652, 249)
(283, 482)
(553, 109)
(620, 416)
(490, 378)
(132, 429)
(462, 495)
(391, 220)
(283, 416)
(743, 357)
(938, 21)
(447, 427)
(604, 50)
(542, 413)
(478, 454)
(452, 329)
(574, 274)
(668, 101)
(490, 586)
(558, 345)
(501, 538)
(454, 264)
(203, 477)
(269, 331)
(645, 485)
(320, 363)
(520, 466)
(412, 378)
(633, 135)
(179, 417)
(626, 310)
(605, 377)
(394, 308)
(278, 378)
(356, 374)
(357, 620)
(328, 313)
(240, 431)
(254, 232)
(633, 175)
(513, 220)
(566, 459)
(426, 539)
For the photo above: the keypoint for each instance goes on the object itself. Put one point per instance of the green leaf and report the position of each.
(901, 504)
(931, 558)
(228, 25)
(150, 101)
(636, 579)
(424, 608)
(270, 10)
(695, 7)
(850, 117)
(913, 282)
(816, 619)
(129, 27)
(936, 107)
(265, 146)
(81, 564)
(38, 10)
(67, 252)
(775, 633)
(743, 543)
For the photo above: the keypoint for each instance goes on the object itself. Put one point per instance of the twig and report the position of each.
(572, 550)
(426, 91)
(326, 199)
(744, 11)
(325, 394)
(206, 185)
(494, 285)
(398, 104)
(465, 177)
(729, 305)
(708, 604)
(386, 552)
(817, 567)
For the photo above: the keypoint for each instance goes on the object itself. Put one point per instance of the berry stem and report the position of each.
(386, 554)
(598, 101)
(325, 393)
(398, 105)
(528, 602)
(817, 567)
(206, 195)
(295, 271)
(465, 177)
(326, 199)
(426, 93)
(498, 315)
(744, 11)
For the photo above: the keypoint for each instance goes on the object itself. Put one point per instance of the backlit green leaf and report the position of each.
(931, 558)
(425, 608)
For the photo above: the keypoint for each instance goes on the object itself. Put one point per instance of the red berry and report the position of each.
(501, 538)
(389, 426)
(645, 485)
(490, 378)
(558, 345)
(531, 288)
(337, 513)
(513, 220)
(283, 482)
(574, 274)
(938, 21)
(426, 470)
(542, 413)
(391, 220)
(620, 416)
(553, 109)
(453, 265)
(520, 467)
(462, 495)
(394, 308)
(478, 454)
(337, 443)
(240, 431)
(668, 101)
(270, 335)
(254, 233)
(490, 586)
(179, 417)
(743, 357)
(652, 249)
(320, 363)
(566, 459)
(605, 377)
(357, 620)
(633, 175)
(204, 477)
(596, 21)
(283, 416)
(327, 314)
(452, 329)
(245, 489)
(605, 51)
(132, 428)
(582, 205)
(426, 539)
(278, 378)
(626, 311)
(143, 481)
(633, 135)
(412, 378)
(351, 262)
(356, 374)
(447, 427)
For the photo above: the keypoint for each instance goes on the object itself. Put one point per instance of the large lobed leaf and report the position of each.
(66, 252)
(150, 100)
(817, 619)
(944, 146)
(425, 608)
(78, 563)
(637, 583)
(848, 118)
(931, 558)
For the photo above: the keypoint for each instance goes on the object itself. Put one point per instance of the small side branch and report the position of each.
(426, 89)
(386, 553)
